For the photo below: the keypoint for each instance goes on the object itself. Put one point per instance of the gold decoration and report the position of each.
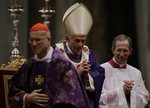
(15, 64)
(39, 79)
(6, 79)
(15, 11)
(46, 12)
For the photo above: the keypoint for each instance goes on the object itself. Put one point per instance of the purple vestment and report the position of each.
(96, 71)
(58, 79)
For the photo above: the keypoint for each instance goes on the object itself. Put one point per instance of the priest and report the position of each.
(123, 85)
(78, 21)
(47, 80)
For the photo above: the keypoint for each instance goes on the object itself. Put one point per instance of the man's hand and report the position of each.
(128, 85)
(37, 98)
(83, 68)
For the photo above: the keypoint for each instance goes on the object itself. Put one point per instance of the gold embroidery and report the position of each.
(69, 80)
(39, 79)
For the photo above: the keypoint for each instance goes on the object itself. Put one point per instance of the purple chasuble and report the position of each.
(58, 79)
(40, 80)
(97, 73)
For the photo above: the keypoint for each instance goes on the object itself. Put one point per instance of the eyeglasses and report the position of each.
(37, 40)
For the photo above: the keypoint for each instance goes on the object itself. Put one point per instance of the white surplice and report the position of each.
(113, 94)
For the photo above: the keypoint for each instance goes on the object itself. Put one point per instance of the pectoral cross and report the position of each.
(39, 79)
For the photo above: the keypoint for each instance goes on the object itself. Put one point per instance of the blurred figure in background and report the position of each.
(123, 85)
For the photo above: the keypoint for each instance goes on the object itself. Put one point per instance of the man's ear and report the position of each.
(112, 49)
(131, 49)
(49, 38)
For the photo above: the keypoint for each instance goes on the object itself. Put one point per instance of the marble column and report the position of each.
(143, 33)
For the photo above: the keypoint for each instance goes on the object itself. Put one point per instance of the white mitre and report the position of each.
(77, 20)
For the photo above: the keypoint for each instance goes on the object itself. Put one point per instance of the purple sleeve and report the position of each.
(18, 86)
(70, 90)
(98, 74)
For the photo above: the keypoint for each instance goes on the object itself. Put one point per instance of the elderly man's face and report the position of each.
(40, 42)
(76, 43)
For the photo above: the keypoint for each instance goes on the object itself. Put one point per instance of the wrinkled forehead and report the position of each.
(38, 33)
(120, 43)
(77, 37)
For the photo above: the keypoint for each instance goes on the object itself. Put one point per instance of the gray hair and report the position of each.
(121, 37)
(48, 33)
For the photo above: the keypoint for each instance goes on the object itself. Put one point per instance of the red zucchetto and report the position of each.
(39, 26)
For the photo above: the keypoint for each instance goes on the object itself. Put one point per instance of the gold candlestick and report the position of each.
(46, 12)
(15, 11)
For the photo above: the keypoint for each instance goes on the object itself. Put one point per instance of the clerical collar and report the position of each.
(47, 58)
(68, 49)
(114, 64)
(74, 57)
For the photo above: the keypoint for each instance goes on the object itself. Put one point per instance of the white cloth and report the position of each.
(85, 56)
(48, 56)
(113, 94)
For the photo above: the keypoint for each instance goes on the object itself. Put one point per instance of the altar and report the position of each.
(6, 73)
